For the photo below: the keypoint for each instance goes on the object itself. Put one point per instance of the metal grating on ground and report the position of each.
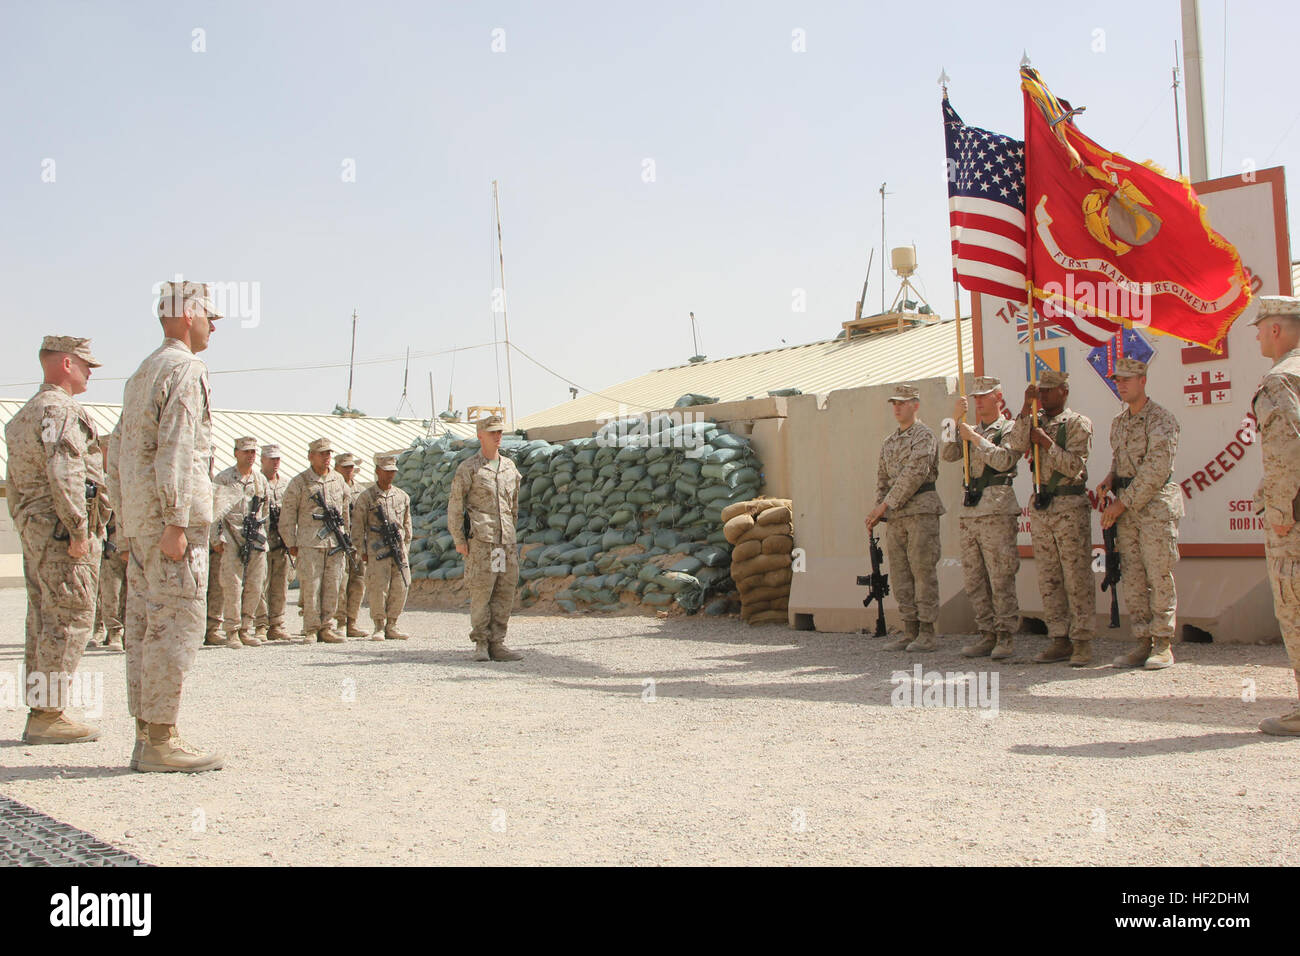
(30, 838)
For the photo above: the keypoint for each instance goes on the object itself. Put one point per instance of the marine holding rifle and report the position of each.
(1059, 516)
(270, 610)
(987, 519)
(381, 528)
(240, 509)
(1146, 507)
(312, 526)
(906, 499)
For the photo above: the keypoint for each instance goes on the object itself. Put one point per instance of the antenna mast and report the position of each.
(505, 321)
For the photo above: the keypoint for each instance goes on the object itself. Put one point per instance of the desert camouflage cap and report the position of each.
(386, 462)
(1271, 306)
(1128, 368)
(985, 384)
(72, 345)
(246, 444)
(905, 393)
(345, 459)
(321, 444)
(1051, 378)
(492, 423)
(271, 451)
(172, 297)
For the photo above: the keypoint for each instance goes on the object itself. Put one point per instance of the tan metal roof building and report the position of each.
(293, 431)
(918, 352)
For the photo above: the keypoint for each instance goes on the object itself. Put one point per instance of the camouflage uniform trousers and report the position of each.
(912, 543)
(241, 587)
(352, 589)
(270, 609)
(61, 595)
(491, 593)
(319, 576)
(216, 599)
(990, 561)
(1062, 538)
(386, 590)
(1148, 549)
(112, 590)
(1284, 576)
(164, 623)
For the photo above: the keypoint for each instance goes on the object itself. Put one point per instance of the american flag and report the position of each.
(986, 208)
(986, 215)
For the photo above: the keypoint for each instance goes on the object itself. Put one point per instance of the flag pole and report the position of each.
(956, 311)
(1029, 289)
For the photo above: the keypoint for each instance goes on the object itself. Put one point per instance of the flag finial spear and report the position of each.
(1024, 59)
(943, 80)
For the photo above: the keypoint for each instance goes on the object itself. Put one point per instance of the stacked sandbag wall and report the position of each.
(630, 518)
(761, 534)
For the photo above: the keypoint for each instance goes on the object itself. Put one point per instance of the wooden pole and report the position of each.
(961, 378)
(505, 321)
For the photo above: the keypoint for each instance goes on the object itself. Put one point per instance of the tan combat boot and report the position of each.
(327, 635)
(481, 652)
(1005, 646)
(981, 648)
(215, 639)
(141, 735)
(498, 651)
(1136, 657)
(308, 637)
(277, 633)
(247, 639)
(115, 640)
(1082, 655)
(910, 630)
(393, 633)
(925, 640)
(355, 630)
(1288, 725)
(1162, 655)
(1059, 650)
(260, 634)
(232, 640)
(378, 633)
(46, 726)
(163, 751)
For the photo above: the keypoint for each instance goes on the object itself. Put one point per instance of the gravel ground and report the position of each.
(752, 745)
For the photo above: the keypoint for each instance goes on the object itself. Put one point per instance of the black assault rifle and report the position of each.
(1111, 580)
(392, 538)
(254, 536)
(332, 518)
(879, 584)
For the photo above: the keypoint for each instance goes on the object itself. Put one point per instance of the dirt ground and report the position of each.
(685, 740)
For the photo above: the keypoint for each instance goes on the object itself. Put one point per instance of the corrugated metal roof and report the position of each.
(918, 352)
(293, 431)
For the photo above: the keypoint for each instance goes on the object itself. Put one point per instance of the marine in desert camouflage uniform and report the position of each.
(319, 554)
(270, 610)
(160, 465)
(907, 500)
(486, 487)
(1146, 509)
(988, 517)
(55, 479)
(352, 590)
(235, 491)
(112, 577)
(1276, 405)
(387, 573)
(1061, 519)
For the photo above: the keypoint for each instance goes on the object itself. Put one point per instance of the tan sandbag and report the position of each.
(749, 610)
(777, 544)
(779, 515)
(766, 594)
(737, 526)
(752, 507)
(745, 550)
(764, 562)
(761, 531)
(779, 578)
(770, 617)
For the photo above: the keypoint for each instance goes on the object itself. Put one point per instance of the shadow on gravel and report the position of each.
(63, 773)
(1159, 747)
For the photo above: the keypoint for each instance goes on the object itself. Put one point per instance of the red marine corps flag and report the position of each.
(1114, 240)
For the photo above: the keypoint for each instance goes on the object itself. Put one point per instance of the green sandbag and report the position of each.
(667, 540)
(648, 573)
(556, 571)
(728, 440)
(608, 471)
(663, 492)
(640, 497)
(613, 539)
(645, 541)
(690, 469)
(687, 565)
(719, 470)
(669, 514)
(585, 457)
(746, 475)
(712, 556)
(713, 493)
(719, 455)
(712, 577)
(717, 606)
(594, 498)
(453, 574)
(659, 469)
(576, 524)
(656, 452)
(685, 488)
(552, 536)
(568, 606)
(558, 521)
(614, 498)
(621, 517)
(635, 473)
(605, 596)
(657, 599)
(587, 567)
